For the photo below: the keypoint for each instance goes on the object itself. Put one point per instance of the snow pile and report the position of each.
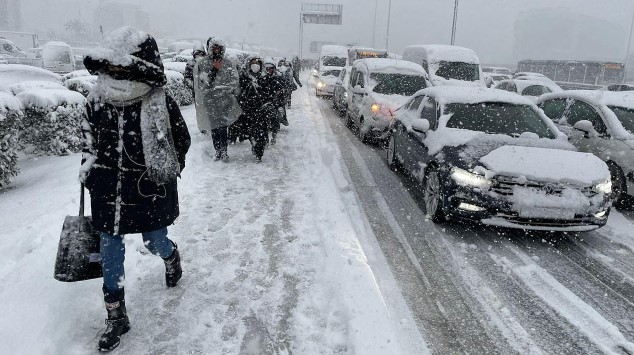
(35, 85)
(82, 85)
(51, 123)
(536, 203)
(177, 88)
(175, 66)
(75, 74)
(10, 116)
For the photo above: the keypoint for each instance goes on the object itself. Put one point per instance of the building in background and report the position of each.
(10, 15)
(114, 14)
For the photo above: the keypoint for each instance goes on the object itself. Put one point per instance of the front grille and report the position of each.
(504, 185)
(543, 222)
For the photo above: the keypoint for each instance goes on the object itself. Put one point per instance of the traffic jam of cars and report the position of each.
(511, 150)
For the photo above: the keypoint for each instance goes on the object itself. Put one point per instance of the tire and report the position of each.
(619, 185)
(433, 196)
(360, 134)
(349, 122)
(392, 159)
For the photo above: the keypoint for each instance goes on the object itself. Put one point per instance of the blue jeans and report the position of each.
(113, 255)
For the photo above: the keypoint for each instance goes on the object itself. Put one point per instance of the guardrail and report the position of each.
(578, 86)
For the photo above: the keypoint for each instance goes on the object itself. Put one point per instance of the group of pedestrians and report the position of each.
(135, 142)
(245, 101)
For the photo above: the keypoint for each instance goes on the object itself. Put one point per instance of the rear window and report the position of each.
(334, 73)
(535, 90)
(498, 118)
(458, 71)
(397, 84)
(330, 61)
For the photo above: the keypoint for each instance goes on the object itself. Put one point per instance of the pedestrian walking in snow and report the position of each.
(273, 91)
(135, 141)
(216, 86)
(198, 52)
(253, 103)
(286, 70)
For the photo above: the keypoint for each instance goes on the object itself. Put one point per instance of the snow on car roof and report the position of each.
(50, 98)
(334, 50)
(523, 84)
(17, 73)
(473, 95)
(385, 65)
(596, 97)
(440, 52)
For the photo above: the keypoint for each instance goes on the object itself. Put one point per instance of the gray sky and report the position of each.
(487, 26)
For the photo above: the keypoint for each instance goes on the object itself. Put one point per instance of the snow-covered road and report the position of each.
(320, 249)
(277, 257)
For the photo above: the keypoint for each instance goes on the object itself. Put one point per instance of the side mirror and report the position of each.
(420, 125)
(586, 127)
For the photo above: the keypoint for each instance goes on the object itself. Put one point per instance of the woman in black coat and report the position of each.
(252, 102)
(135, 141)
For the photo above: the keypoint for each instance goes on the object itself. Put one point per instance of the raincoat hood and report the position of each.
(133, 50)
(212, 41)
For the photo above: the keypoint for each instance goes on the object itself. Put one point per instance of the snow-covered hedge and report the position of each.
(52, 121)
(10, 116)
(82, 85)
(177, 88)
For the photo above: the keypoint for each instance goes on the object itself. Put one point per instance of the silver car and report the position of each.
(602, 123)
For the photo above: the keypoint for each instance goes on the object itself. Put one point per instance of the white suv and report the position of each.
(376, 89)
(598, 122)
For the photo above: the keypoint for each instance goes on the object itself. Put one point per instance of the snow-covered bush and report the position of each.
(10, 116)
(82, 85)
(175, 66)
(52, 121)
(178, 89)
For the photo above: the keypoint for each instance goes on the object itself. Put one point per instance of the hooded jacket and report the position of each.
(123, 198)
(216, 90)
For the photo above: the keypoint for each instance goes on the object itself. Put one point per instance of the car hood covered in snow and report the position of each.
(539, 159)
(546, 164)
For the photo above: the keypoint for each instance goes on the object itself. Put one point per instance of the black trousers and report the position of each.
(220, 138)
(258, 132)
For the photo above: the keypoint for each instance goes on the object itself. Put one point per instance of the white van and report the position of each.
(447, 65)
(58, 57)
(332, 57)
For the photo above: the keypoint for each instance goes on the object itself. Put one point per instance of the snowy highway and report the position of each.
(480, 290)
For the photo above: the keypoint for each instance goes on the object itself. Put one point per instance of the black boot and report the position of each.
(117, 325)
(173, 271)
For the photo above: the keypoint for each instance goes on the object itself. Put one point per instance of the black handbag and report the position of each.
(78, 257)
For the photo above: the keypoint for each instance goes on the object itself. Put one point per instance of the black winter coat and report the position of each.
(144, 205)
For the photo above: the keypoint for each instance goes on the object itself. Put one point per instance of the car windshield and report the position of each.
(334, 61)
(625, 116)
(397, 84)
(498, 118)
(334, 73)
(458, 70)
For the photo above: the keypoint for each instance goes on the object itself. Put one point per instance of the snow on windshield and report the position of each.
(397, 84)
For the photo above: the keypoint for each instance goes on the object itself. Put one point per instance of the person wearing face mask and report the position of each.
(135, 142)
(216, 86)
(197, 52)
(254, 105)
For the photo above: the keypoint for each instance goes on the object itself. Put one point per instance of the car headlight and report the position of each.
(375, 108)
(321, 84)
(465, 178)
(345, 95)
(604, 187)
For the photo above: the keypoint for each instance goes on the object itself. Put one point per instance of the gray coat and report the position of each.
(216, 102)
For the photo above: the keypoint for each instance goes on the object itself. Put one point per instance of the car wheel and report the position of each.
(619, 186)
(434, 199)
(360, 132)
(392, 159)
(349, 122)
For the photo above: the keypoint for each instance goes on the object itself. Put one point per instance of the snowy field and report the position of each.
(277, 257)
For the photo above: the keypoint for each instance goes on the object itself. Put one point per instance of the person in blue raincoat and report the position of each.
(216, 85)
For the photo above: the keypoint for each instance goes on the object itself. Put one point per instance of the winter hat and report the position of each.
(133, 50)
(212, 41)
(198, 48)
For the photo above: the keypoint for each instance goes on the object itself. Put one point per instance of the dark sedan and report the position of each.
(491, 156)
